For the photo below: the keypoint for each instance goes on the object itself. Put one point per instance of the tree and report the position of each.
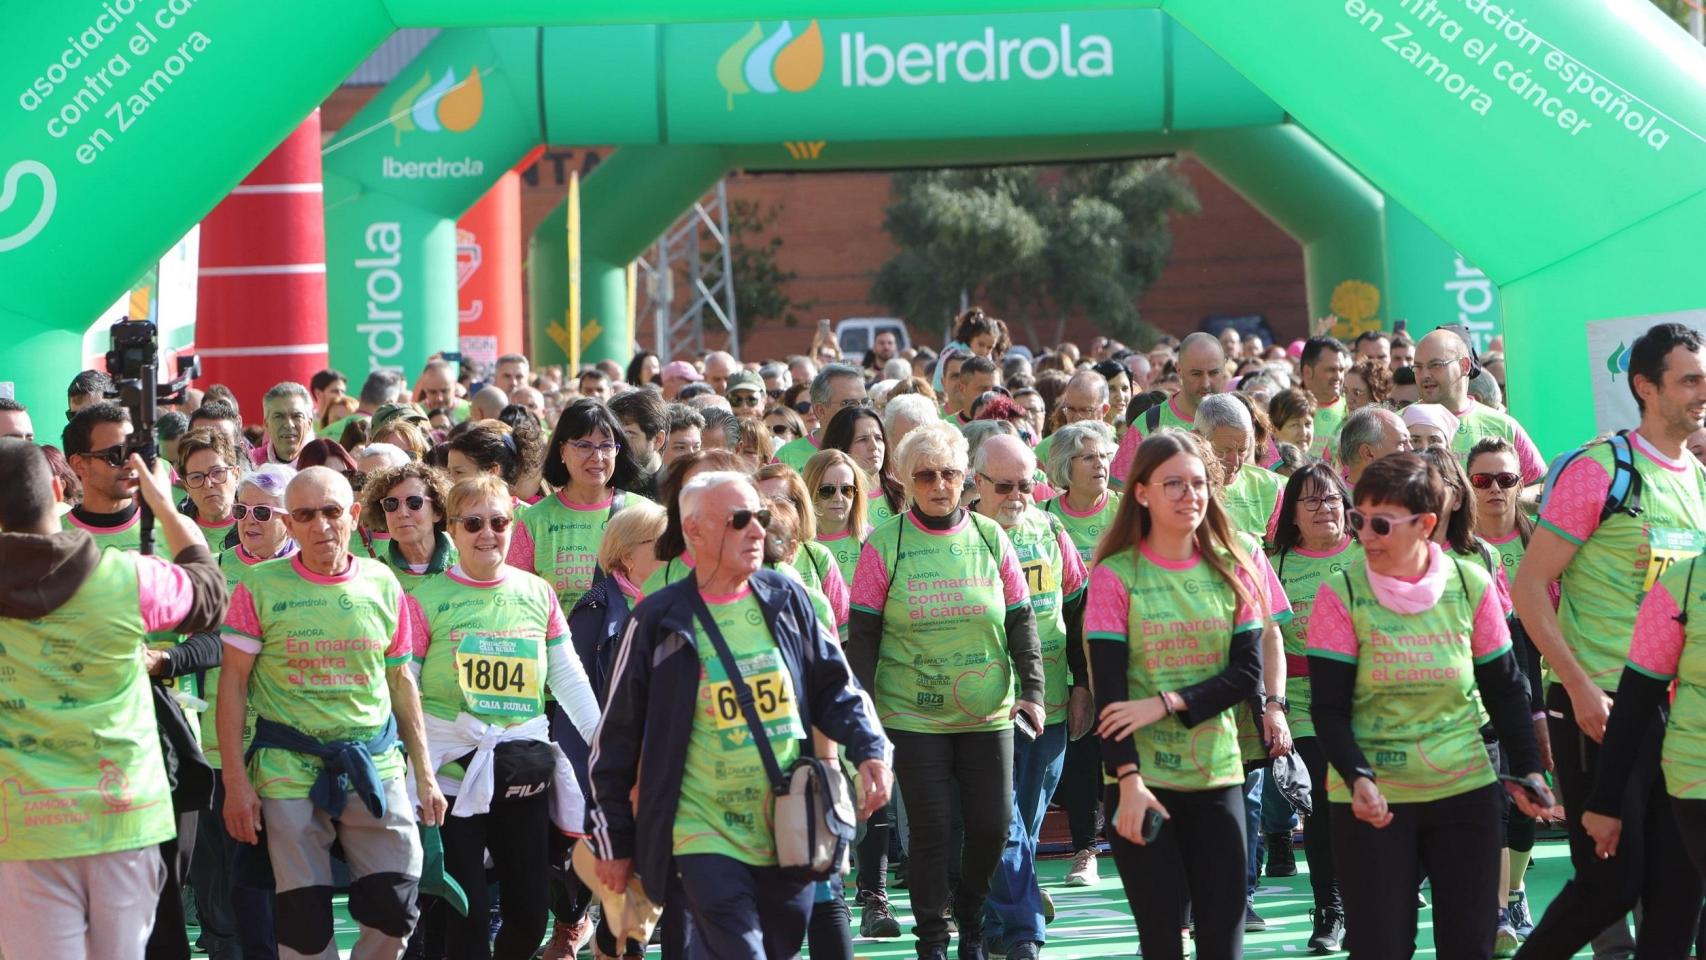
(761, 285)
(1033, 243)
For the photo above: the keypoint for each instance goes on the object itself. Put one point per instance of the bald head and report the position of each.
(1003, 454)
(718, 366)
(314, 485)
(1085, 397)
(1442, 369)
(1202, 369)
(1003, 467)
(488, 403)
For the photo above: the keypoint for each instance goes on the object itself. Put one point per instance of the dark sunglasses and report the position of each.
(476, 524)
(1482, 481)
(740, 518)
(830, 489)
(262, 514)
(803, 406)
(1004, 487)
(775, 394)
(113, 456)
(390, 504)
(744, 399)
(782, 430)
(331, 511)
(1382, 526)
(928, 478)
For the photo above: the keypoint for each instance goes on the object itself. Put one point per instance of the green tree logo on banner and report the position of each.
(445, 105)
(755, 63)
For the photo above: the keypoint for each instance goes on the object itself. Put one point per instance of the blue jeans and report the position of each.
(1014, 911)
(1253, 782)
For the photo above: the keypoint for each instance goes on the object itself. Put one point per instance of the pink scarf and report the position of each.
(1404, 596)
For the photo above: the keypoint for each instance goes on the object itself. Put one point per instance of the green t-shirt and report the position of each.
(1252, 500)
(944, 597)
(128, 536)
(1415, 708)
(1300, 573)
(321, 646)
(1618, 560)
(1480, 421)
(1126, 452)
(1667, 649)
(1177, 622)
(1328, 421)
(796, 452)
(877, 510)
(725, 805)
(80, 766)
(1085, 530)
(560, 540)
(486, 645)
(1054, 576)
(334, 431)
(235, 564)
(845, 548)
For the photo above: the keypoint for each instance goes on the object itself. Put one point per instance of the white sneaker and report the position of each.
(1083, 872)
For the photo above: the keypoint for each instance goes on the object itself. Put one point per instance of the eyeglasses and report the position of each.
(1175, 488)
(1005, 487)
(829, 490)
(1317, 504)
(1437, 367)
(476, 524)
(390, 504)
(1098, 457)
(331, 511)
(929, 478)
(1482, 481)
(263, 514)
(740, 518)
(775, 393)
(113, 456)
(1382, 526)
(783, 430)
(745, 399)
(195, 481)
(584, 447)
(1087, 413)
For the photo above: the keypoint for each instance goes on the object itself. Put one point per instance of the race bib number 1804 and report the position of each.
(499, 674)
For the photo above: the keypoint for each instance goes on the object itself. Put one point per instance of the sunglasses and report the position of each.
(331, 511)
(1005, 487)
(782, 430)
(1382, 526)
(740, 518)
(775, 394)
(390, 504)
(744, 399)
(476, 524)
(829, 490)
(262, 514)
(113, 456)
(928, 478)
(1482, 481)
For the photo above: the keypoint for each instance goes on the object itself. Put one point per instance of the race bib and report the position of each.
(1040, 577)
(770, 696)
(499, 674)
(1667, 546)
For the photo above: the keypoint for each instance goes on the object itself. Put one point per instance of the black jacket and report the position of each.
(595, 628)
(648, 716)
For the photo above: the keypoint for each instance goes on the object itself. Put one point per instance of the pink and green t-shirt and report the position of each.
(1666, 650)
(1300, 574)
(796, 452)
(1329, 420)
(1054, 576)
(1415, 709)
(944, 596)
(321, 646)
(1478, 421)
(1619, 560)
(558, 539)
(845, 547)
(1176, 620)
(482, 646)
(1252, 500)
(1086, 529)
(1126, 452)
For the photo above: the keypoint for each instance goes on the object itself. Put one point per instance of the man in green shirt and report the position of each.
(836, 386)
(1202, 373)
(1085, 398)
(1443, 366)
(1324, 363)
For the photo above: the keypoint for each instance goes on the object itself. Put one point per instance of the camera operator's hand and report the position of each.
(180, 532)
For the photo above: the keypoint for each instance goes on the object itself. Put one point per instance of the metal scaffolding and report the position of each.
(692, 256)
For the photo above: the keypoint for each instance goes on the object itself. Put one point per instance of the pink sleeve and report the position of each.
(835, 590)
(1330, 628)
(165, 593)
(1074, 577)
(1107, 609)
(1124, 456)
(411, 637)
(870, 581)
(1657, 647)
(1529, 461)
(242, 623)
(1278, 602)
(1578, 497)
(1013, 577)
(556, 625)
(521, 549)
(1492, 633)
(1273, 518)
(1502, 584)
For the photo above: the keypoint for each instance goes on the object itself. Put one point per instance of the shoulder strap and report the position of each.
(1624, 494)
(1464, 584)
(1688, 588)
(900, 532)
(1279, 571)
(743, 694)
(1350, 592)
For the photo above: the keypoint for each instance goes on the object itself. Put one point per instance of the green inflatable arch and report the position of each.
(1559, 147)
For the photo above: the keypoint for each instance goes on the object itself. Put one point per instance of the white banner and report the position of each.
(1608, 363)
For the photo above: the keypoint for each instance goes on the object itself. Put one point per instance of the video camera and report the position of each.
(133, 363)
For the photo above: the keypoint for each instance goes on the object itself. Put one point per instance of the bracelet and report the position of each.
(1167, 704)
(1128, 773)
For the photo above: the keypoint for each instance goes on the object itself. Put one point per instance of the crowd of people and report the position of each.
(525, 661)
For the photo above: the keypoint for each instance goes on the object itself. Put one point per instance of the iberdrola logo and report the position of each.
(1618, 362)
(781, 61)
(445, 105)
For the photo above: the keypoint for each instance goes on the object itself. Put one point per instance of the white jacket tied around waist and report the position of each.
(473, 794)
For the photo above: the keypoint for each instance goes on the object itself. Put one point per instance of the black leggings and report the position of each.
(1202, 842)
(871, 855)
(1456, 841)
(928, 767)
(517, 834)
(1079, 792)
(1318, 840)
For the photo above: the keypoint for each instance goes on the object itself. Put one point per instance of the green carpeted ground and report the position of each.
(1093, 922)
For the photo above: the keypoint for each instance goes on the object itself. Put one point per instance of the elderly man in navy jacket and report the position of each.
(675, 726)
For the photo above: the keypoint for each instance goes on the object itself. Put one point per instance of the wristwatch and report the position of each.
(1284, 704)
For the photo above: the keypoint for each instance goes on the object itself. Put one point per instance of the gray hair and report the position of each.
(935, 441)
(288, 389)
(718, 417)
(1068, 442)
(833, 371)
(1222, 410)
(393, 455)
(702, 484)
(380, 388)
(897, 369)
(1486, 389)
(915, 407)
(980, 459)
(272, 479)
(1364, 426)
(777, 371)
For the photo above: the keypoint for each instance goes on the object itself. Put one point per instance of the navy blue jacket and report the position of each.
(648, 714)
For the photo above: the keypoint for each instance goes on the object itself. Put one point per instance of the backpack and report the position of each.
(1624, 494)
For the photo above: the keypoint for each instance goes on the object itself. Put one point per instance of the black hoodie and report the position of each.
(40, 573)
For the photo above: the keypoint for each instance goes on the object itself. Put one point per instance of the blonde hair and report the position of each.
(475, 488)
(819, 465)
(935, 442)
(639, 520)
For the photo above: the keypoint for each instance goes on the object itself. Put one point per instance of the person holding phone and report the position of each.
(1174, 626)
(1399, 645)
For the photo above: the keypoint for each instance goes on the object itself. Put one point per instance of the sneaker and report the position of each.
(1048, 906)
(1520, 919)
(1282, 859)
(1253, 922)
(1327, 930)
(566, 939)
(1026, 950)
(876, 918)
(1504, 938)
(932, 951)
(972, 949)
(1083, 872)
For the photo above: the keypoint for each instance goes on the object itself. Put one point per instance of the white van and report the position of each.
(856, 334)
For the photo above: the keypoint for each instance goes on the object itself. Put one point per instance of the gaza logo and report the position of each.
(447, 104)
(9, 196)
(781, 61)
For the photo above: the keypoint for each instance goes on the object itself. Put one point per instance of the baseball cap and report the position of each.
(682, 369)
(745, 380)
(394, 411)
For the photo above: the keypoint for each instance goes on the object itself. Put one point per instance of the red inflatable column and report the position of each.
(261, 306)
(488, 272)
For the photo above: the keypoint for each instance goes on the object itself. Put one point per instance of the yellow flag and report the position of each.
(573, 320)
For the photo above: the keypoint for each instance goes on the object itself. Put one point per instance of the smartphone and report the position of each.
(1529, 788)
(1398, 326)
(1024, 727)
(451, 356)
(1152, 821)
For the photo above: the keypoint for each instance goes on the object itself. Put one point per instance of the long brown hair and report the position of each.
(1215, 541)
